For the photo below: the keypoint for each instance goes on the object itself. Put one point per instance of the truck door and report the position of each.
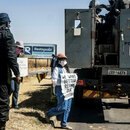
(125, 38)
(78, 47)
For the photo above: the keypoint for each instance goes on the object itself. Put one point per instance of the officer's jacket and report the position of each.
(8, 57)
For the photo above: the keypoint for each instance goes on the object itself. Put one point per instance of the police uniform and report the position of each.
(8, 59)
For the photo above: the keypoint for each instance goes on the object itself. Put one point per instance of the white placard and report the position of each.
(23, 67)
(68, 83)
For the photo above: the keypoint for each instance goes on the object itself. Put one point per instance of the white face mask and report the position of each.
(63, 63)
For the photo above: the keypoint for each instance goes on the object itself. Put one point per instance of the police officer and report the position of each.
(8, 59)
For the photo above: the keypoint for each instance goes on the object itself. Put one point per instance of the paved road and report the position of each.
(113, 115)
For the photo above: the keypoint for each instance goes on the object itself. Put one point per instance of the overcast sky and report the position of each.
(40, 21)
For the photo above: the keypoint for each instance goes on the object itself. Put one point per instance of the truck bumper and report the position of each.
(97, 94)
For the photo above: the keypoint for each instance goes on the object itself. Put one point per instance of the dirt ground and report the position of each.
(34, 100)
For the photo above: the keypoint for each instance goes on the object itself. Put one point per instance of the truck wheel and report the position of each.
(78, 94)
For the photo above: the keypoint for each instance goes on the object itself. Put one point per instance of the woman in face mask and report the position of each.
(14, 85)
(19, 48)
(63, 106)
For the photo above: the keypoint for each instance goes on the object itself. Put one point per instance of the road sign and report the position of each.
(36, 50)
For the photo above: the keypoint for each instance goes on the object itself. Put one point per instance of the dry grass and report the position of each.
(34, 100)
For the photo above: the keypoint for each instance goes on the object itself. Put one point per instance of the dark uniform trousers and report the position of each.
(4, 105)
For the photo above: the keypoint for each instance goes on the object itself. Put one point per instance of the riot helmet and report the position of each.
(111, 2)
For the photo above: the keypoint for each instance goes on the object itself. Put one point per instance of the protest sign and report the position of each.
(23, 67)
(68, 83)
